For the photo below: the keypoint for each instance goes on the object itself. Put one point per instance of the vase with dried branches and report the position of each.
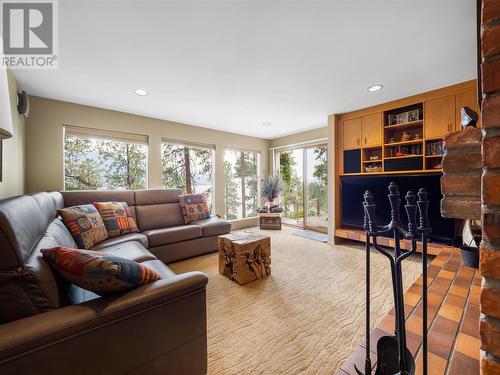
(271, 187)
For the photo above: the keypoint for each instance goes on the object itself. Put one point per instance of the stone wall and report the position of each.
(490, 246)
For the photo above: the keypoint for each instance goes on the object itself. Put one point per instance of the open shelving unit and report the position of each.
(402, 146)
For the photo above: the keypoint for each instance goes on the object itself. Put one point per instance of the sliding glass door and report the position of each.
(292, 197)
(304, 196)
(316, 202)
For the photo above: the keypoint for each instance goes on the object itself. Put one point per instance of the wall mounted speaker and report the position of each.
(23, 104)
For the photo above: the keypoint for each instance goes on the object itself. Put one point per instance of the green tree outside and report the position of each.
(231, 199)
(126, 163)
(186, 168)
(81, 172)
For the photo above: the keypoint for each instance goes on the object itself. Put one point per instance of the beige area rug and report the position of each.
(307, 317)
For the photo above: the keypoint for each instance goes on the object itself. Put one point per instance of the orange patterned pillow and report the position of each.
(98, 272)
(194, 207)
(85, 225)
(117, 218)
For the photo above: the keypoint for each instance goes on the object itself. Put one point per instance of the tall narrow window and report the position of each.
(241, 188)
(103, 160)
(189, 167)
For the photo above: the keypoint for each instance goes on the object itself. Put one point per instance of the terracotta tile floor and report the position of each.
(453, 320)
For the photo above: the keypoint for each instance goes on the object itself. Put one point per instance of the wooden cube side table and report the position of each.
(270, 221)
(245, 256)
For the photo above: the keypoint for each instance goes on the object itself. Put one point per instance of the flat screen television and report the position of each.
(353, 188)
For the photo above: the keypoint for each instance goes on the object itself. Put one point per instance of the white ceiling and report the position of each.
(232, 65)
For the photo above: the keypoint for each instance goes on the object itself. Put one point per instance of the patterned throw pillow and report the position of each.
(117, 218)
(85, 225)
(96, 271)
(194, 207)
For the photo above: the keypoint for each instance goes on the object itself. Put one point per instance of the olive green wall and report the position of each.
(44, 142)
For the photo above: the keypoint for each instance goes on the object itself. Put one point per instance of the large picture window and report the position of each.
(189, 167)
(103, 160)
(241, 188)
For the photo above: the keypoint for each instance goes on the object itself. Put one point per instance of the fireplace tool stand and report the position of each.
(393, 356)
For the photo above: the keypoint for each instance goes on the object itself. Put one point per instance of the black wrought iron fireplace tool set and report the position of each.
(393, 356)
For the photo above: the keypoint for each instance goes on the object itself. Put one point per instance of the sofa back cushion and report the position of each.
(76, 198)
(158, 208)
(27, 284)
(152, 209)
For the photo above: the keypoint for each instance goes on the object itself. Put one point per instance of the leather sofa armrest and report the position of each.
(25, 336)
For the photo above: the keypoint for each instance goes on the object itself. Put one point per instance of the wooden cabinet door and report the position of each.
(352, 133)
(371, 130)
(466, 99)
(439, 117)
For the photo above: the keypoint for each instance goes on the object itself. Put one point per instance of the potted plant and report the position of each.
(271, 187)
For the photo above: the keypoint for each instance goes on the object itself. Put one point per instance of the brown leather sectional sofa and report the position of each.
(48, 326)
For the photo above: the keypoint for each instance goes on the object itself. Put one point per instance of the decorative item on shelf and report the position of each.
(469, 117)
(392, 140)
(374, 157)
(399, 153)
(414, 115)
(418, 136)
(271, 188)
(373, 168)
(403, 118)
(406, 137)
(392, 119)
(435, 148)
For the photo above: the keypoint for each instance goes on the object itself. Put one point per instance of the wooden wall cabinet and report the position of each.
(368, 132)
(466, 99)
(352, 133)
(439, 117)
(371, 130)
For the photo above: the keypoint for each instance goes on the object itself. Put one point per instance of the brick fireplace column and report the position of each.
(490, 246)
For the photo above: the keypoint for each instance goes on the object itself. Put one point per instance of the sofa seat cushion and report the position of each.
(160, 268)
(139, 237)
(158, 237)
(131, 250)
(98, 272)
(213, 226)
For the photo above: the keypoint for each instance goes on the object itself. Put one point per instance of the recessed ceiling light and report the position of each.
(141, 92)
(266, 124)
(375, 88)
